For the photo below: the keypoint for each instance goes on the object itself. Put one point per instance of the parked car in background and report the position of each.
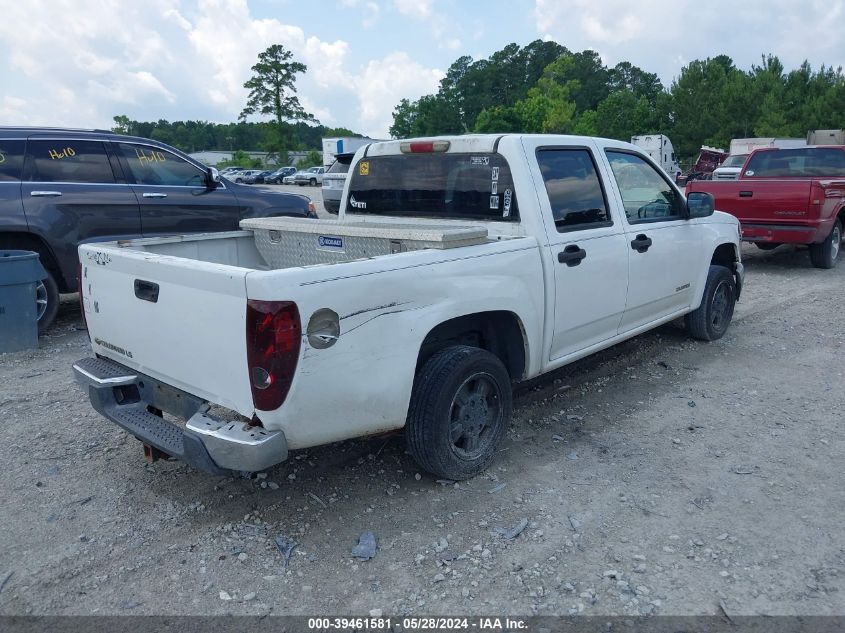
(230, 170)
(787, 196)
(277, 176)
(312, 176)
(333, 181)
(241, 176)
(60, 188)
(257, 179)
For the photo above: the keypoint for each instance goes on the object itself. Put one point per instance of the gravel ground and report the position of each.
(661, 476)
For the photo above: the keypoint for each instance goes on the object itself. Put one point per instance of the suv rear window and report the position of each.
(448, 186)
(809, 161)
(11, 160)
(338, 168)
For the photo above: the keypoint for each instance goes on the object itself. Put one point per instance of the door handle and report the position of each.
(45, 194)
(571, 255)
(155, 195)
(746, 194)
(146, 290)
(641, 243)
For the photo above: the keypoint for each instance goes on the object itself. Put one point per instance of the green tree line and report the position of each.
(195, 136)
(546, 88)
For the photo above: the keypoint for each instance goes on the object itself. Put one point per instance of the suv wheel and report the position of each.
(47, 302)
(459, 414)
(824, 255)
(711, 319)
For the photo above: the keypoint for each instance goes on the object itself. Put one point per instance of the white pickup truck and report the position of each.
(457, 266)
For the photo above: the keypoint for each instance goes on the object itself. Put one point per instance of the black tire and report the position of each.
(451, 439)
(711, 319)
(313, 182)
(826, 254)
(766, 246)
(47, 298)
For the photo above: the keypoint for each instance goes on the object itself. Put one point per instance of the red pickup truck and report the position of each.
(787, 196)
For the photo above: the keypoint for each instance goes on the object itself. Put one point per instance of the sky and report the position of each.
(79, 63)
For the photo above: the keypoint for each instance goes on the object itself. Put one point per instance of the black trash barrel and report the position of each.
(20, 272)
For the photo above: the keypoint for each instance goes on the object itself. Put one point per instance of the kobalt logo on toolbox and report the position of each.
(326, 241)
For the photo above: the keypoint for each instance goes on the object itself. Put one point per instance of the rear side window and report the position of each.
(438, 185)
(151, 165)
(791, 163)
(68, 161)
(574, 189)
(11, 160)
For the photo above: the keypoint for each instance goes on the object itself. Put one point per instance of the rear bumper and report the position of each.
(215, 446)
(781, 233)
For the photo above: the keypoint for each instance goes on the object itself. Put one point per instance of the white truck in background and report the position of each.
(826, 137)
(458, 266)
(740, 149)
(659, 149)
(341, 145)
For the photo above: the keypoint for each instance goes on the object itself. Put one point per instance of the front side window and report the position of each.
(150, 165)
(11, 160)
(434, 185)
(574, 189)
(646, 195)
(68, 161)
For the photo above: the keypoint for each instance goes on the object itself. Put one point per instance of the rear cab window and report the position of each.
(68, 160)
(437, 185)
(11, 160)
(338, 168)
(575, 191)
(797, 163)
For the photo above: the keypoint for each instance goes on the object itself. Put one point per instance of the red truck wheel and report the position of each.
(824, 255)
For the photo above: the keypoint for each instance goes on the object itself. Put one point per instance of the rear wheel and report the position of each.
(711, 319)
(824, 255)
(459, 414)
(46, 301)
(313, 182)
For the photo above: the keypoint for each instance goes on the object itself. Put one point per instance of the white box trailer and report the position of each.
(659, 148)
(341, 145)
(826, 137)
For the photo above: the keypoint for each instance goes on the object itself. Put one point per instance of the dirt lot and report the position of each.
(661, 476)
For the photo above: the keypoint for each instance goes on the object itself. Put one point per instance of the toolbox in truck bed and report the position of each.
(284, 241)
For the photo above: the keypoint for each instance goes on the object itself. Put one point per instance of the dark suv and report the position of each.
(60, 187)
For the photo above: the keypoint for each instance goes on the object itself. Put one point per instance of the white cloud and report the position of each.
(657, 35)
(414, 8)
(384, 82)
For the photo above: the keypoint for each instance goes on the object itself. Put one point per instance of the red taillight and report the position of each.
(273, 337)
(423, 147)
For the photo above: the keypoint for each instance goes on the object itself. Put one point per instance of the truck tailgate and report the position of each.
(150, 313)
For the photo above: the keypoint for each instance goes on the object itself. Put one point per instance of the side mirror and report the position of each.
(212, 178)
(700, 205)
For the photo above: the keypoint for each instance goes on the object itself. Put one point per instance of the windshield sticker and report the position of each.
(749, 173)
(494, 187)
(328, 242)
(356, 204)
(479, 160)
(507, 209)
(494, 202)
(364, 168)
(67, 152)
(495, 173)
